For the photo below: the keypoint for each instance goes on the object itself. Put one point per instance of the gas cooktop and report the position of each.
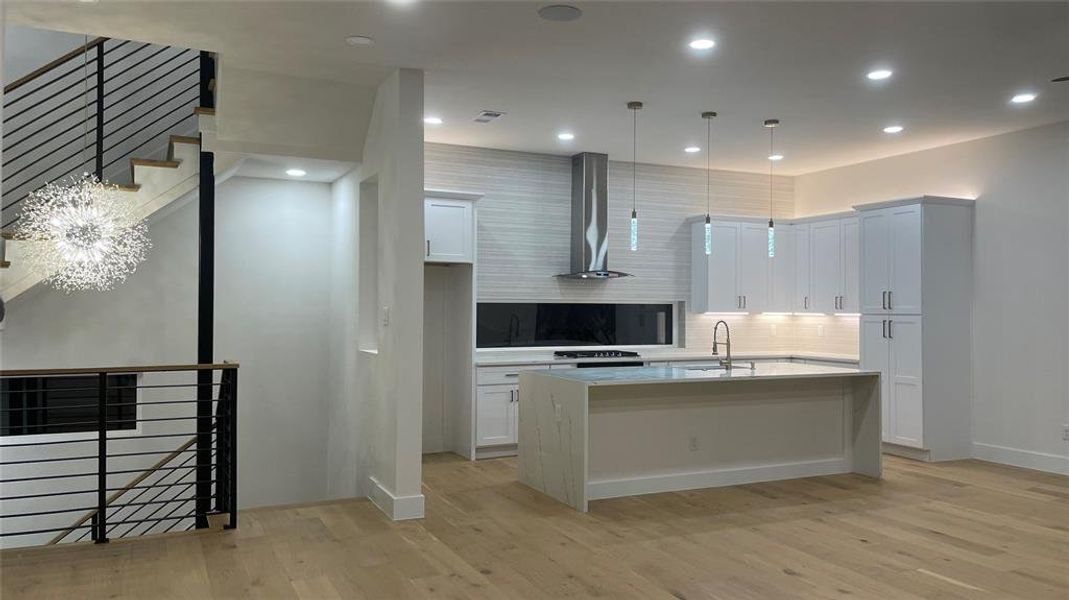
(594, 354)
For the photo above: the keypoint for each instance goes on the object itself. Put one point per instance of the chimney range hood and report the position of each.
(590, 218)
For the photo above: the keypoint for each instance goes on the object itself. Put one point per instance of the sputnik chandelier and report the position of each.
(80, 233)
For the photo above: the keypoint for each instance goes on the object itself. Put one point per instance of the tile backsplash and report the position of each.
(823, 334)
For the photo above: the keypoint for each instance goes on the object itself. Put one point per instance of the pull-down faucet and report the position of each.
(716, 329)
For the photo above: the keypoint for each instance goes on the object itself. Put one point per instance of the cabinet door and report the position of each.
(448, 228)
(826, 267)
(907, 417)
(803, 273)
(753, 266)
(784, 268)
(876, 356)
(724, 295)
(495, 415)
(849, 241)
(875, 261)
(905, 229)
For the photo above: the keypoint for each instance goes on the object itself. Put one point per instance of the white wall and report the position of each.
(27, 48)
(273, 295)
(1020, 182)
(393, 156)
(347, 401)
(272, 285)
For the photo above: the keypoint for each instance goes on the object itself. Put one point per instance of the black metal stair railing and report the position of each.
(91, 110)
(131, 416)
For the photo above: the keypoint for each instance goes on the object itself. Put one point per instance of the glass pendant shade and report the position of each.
(634, 230)
(708, 236)
(771, 239)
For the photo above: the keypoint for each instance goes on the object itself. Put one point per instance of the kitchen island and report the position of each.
(588, 434)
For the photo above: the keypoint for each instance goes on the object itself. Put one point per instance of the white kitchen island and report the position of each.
(588, 434)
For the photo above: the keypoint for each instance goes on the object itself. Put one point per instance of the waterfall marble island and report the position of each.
(588, 434)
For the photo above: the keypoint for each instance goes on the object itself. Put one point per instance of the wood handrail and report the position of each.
(134, 369)
(21, 81)
(126, 488)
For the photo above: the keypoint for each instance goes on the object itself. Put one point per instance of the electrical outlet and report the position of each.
(1065, 432)
(693, 443)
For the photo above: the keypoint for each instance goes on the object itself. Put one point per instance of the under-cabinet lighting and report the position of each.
(848, 314)
(727, 313)
(778, 314)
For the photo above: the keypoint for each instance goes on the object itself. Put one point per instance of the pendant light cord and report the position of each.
(634, 160)
(708, 151)
(771, 147)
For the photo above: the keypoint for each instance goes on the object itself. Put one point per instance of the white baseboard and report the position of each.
(496, 451)
(1041, 461)
(676, 482)
(906, 452)
(398, 508)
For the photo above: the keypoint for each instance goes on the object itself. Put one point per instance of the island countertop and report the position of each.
(602, 376)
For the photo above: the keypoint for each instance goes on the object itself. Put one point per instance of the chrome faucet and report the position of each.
(716, 329)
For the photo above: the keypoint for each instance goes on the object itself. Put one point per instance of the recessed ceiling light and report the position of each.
(565, 136)
(88, 1)
(560, 13)
(359, 40)
(880, 74)
(893, 129)
(692, 149)
(432, 120)
(775, 157)
(1023, 98)
(702, 44)
(295, 172)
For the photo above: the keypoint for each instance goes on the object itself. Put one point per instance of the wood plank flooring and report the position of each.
(959, 530)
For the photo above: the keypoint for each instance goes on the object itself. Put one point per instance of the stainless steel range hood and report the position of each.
(590, 218)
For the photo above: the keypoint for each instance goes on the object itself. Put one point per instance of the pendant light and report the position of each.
(771, 125)
(81, 233)
(708, 116)
(634, 107)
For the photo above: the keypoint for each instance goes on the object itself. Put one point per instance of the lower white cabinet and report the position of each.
(893, 345)
(497, 413)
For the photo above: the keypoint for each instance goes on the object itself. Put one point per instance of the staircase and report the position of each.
(145, 121)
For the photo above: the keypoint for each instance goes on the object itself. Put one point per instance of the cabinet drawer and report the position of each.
(497, 375)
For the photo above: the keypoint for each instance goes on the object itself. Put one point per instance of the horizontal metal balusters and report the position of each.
(150, 464)
(138, 95)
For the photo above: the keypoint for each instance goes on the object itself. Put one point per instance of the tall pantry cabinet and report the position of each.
(916, 324)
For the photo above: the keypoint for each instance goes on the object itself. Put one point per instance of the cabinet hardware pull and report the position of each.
(890, 331)
(883, 300)
(512, 374)
(883, 328)
(890, 304)
(744, 301)
(428, 247)
(807, 302)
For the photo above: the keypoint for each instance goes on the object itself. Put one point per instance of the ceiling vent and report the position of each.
(487, 116)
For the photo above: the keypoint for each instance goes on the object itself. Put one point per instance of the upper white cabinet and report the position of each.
(891, 247)
(784, 269)
(826, 266)
(849, 241)
(803, 272)
(734, 276)
(449, 228)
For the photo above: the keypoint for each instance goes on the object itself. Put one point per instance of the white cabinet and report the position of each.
(826, 269)
(496, 414)
(893, 346)
(891, 260)
(734, 276)
(784, 270)
(753, 266)
(909, 249)
(803, 273)
(849, 242)
(449, 229)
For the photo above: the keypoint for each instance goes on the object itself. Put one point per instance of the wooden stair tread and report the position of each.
(202, 110)
(5, 264)
(184, 139)
(148, 162)
(127, 187)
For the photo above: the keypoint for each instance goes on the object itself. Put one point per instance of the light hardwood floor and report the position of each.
(954, 530)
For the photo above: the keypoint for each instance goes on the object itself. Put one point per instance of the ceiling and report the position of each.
(955, 67)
